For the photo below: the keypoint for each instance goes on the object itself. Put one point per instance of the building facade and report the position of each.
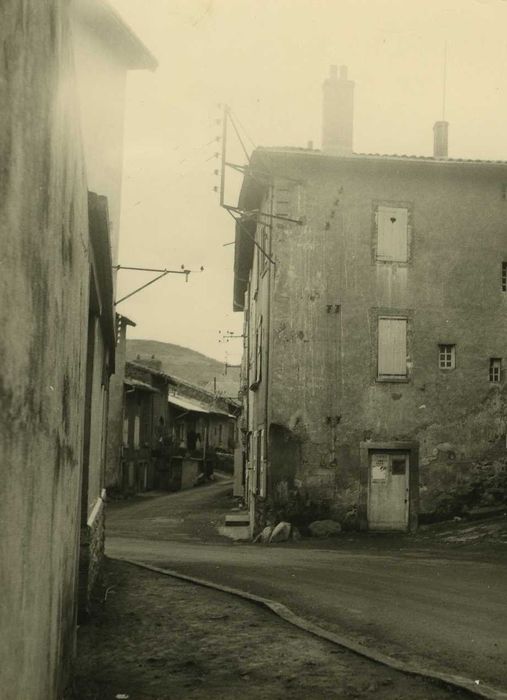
(57, 347)
(44, 290)
(374, 298)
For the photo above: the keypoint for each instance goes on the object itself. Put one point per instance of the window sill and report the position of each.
(392, 380)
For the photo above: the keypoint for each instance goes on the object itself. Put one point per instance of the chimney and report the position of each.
(440, 139)
(337, 112)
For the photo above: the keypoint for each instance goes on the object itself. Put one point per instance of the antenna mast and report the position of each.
(444, 82)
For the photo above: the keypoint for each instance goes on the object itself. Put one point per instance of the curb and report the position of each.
(475, 688)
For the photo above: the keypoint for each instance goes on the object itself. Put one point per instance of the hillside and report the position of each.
(187, 364)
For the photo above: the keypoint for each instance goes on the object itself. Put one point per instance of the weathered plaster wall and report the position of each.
(327, 292)
(44, 292)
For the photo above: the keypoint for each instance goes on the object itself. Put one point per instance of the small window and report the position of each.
(504, 277)
(447, 356)
(392, 234)
(392, 348)
(495, 369)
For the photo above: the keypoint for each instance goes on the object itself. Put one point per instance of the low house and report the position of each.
(204, 427)
(145, 427)
(113, 478)
(174, 432)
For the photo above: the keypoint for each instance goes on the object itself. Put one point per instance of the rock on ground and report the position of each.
(324, 528)
(281, 532)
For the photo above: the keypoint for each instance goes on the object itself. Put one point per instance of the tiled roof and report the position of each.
(377, 156)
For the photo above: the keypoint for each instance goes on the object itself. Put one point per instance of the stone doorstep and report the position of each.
(237, 533)
(237, 520)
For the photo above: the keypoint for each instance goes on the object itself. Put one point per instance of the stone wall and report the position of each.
(44, 288)
(327, 292)
(91, 555)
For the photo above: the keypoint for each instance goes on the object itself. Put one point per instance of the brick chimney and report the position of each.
(440, 139)
(337, 112)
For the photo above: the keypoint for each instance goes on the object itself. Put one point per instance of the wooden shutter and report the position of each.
(392, 234)
(392, 347)
(258, 361)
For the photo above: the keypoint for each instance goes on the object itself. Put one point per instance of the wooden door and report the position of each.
(388, 493)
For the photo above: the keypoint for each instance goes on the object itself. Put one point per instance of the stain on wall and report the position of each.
(43, 227)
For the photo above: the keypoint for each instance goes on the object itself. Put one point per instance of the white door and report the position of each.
(388, 493)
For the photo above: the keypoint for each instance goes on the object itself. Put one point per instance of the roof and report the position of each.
(315, 152)
(125, 320)
(261, 171)
(106, 23)
(195, 406)
(155, 372)
(138, 384)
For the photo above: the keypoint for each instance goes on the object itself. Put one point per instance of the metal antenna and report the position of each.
(444, 82)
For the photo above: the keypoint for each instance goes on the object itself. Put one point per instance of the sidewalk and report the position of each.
(157, 638)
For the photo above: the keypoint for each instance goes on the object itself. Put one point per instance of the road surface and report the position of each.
(440, 608)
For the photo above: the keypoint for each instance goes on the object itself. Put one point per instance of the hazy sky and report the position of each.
(267, 59)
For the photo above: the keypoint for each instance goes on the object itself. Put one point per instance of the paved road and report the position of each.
(437, 608)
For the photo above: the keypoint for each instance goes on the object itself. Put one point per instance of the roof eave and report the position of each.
(102, 19)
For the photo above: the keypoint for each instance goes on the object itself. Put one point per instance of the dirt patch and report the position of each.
(157, 638)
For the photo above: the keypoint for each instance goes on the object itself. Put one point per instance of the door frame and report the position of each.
(365, 449)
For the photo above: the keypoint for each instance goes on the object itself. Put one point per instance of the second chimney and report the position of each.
(440, 139)
(337, 112)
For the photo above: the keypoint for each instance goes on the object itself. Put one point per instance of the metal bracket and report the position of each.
(163, 272)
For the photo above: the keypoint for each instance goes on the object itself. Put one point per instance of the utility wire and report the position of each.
(246, 132)
(239, 137)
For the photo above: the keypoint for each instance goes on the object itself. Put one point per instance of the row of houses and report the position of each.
(61, 149)
(374, 296)
(173, 433)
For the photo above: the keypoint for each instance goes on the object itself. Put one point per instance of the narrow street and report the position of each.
(445, 610)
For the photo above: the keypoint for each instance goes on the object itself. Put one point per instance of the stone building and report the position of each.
(375, 298)
(44, 310)
(56, 309)
(103, 45)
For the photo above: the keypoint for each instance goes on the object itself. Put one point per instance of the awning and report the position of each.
(138, 384)
(191, 405)
(187, 404)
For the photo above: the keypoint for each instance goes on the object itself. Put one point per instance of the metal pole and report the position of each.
(224, 150)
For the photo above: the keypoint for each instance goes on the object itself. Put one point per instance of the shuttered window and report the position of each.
(258, 361)
(392, 234)
(392, 347)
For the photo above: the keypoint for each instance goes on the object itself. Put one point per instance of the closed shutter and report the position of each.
(392, 347)
(258, 365)
(392, 234)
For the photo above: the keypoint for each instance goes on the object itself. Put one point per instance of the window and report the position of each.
(447, 356)
(504, 277)
(257, 373)
(392, 348)
(260, 464)
(495, 369)
(392, 233)
(282, 201)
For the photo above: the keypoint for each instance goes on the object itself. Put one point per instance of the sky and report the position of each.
(267, 59)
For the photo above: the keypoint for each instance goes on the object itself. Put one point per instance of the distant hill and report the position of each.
(187, 364)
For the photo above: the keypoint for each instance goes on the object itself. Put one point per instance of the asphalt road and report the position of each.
(444, 609)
